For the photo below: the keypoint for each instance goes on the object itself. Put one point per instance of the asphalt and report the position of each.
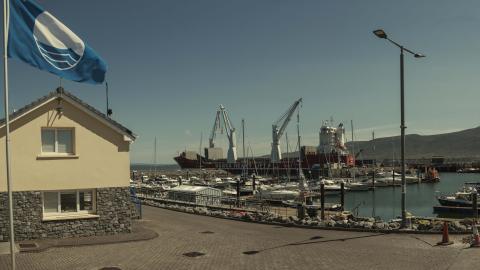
(226, 244)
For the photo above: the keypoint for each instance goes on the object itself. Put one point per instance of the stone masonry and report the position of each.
(114, 208)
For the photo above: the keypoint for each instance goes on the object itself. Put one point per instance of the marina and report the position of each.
(383, 201)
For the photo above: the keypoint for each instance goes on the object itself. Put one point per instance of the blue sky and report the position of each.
(171, 63)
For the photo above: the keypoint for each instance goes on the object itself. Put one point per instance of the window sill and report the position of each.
(56, 156)
(70, 217)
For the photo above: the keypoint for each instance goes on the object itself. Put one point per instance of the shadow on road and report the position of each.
(310, 242)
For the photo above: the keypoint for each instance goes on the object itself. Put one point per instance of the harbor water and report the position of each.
(385, 202)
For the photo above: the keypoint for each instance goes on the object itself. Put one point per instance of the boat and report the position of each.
(357, 186)
(277, 194)
(431, 176)
(328, 206)
(330, 187)
(461, 198)
(331, 150)
(469, 170)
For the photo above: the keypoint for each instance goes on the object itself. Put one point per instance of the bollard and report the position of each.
(238, 193)
(475, 206)
(476, 238)
(445, 238)
(300, 211)
(342, 196)
(140, 209)
(322, 201)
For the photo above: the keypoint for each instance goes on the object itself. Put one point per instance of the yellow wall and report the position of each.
(103, 155)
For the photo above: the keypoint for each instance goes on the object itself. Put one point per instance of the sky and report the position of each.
(171, 63)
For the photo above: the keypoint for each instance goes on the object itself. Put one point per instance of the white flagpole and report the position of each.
(6, 15)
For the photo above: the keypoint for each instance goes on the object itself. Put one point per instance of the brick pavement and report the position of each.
(239, 245)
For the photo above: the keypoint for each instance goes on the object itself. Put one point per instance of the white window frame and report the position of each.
(78, 212)
(55, 146)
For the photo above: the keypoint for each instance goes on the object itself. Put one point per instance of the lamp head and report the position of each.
(418, 55)
(380, 33)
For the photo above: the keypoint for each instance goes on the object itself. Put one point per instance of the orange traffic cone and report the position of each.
(476, 237)
(445, 239)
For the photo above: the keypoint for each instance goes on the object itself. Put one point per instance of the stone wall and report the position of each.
(114, 208)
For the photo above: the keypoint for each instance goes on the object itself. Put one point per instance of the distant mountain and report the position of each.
(460, 144)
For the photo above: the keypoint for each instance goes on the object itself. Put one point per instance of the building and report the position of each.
(201, 195)
(70, 169)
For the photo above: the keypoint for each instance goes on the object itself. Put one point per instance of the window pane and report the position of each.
(86, 200)
(50, 202)
(64, 138)
(68, 201)
(48, 140)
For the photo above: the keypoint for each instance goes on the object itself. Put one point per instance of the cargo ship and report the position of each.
(331, 152)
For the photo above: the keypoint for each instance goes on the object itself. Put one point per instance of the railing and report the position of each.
(136, 202)
(209, 201)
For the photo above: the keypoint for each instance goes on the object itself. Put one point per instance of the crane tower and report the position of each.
(222, 123)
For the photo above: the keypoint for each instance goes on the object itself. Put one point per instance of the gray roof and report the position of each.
(61, 93)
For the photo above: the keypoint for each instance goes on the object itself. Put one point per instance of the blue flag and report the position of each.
(41, 40)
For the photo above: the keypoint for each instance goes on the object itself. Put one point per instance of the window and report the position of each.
(50, 202)
(57, 140)
(68, 202)
(58, 203)
(86, 200)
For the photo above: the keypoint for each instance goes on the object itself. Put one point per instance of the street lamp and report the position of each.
(381, 34)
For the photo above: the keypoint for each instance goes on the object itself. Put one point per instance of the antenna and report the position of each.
(109, 111)
(155, 158)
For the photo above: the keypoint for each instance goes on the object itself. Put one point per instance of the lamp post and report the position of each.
(381, 34)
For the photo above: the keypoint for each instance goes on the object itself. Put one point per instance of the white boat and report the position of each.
(357, 186)
(330, 186)
(171, 183)
(229, 192)
(277, 195)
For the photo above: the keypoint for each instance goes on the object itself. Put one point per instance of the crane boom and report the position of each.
(216, 127)
(277, 132)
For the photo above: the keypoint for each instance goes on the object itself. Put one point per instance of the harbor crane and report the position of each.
(222, 123)
(278, 128)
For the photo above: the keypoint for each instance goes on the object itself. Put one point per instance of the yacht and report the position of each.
(461, 198)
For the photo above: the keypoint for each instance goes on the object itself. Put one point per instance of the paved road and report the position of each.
(225, 243)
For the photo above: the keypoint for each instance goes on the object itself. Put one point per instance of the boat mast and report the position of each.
(155, 157)
(200, 151)
(288, 158)
(244, 170)
(301, 177)
(353, 152)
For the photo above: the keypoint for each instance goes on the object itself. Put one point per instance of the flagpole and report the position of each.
(6, 9)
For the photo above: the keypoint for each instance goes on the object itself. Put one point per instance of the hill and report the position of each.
(454, 145)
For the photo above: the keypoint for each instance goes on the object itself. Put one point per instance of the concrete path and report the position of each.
(5, 248)
(224, 244)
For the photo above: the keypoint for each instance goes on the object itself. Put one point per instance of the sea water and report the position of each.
(385, 202)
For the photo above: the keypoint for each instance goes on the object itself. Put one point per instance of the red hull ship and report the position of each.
(263, 166)
(331, 150)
